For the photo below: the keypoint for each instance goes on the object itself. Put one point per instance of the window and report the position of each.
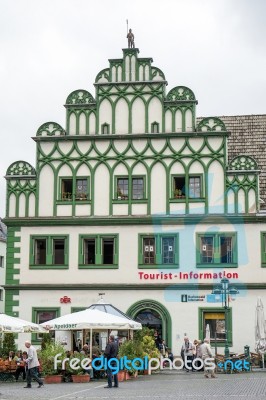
(49, 252)
(155, 127)
(187, 187)
(98, 251)
(216, 248)
(130, 188)
(158, 250)
(105, 129)
(263, 248)
(215, 319)
(2, 261)
(41, 315)
(76, 189)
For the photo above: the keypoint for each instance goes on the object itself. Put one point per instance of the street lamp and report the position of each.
(225, 289)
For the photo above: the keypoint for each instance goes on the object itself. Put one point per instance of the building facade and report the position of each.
(138, 198)
(2, 264)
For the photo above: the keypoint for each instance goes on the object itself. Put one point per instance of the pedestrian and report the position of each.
(187, 351)
(206, 352)
(32, 364)
(111, 352)
(163, 348)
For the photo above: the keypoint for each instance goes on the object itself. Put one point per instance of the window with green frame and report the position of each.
(74, 188)
(49, 252)
(41, 315)
(98, 251)
(129, 187)
(215, 318)
(158, 250)
(216, 249)
(190, 186)
(263, 248)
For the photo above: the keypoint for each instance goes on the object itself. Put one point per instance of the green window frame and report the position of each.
(98, 251)
(155, 127)
(187, 187)
(215, 317)
(216, 249)
(36, 338)
(263, 248)
(74, 189)
(131, 188)
(48, 251)
(158, 251)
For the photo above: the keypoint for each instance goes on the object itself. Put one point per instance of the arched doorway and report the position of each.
(155, 316)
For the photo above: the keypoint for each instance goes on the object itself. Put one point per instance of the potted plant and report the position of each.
(178, 193)
(78, 375)
(46, 356)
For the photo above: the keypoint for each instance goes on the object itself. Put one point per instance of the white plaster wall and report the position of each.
(64, 210)
(105, 115)
(92, 124)
(188, 121)
(158, 187)
(82, 210)
(138, 116)
(72, 124)
(168, 122)
(119, 74)
(147, 73)
(177, 208)
(216, 188)
(241, 201)
(46, 197)
(12, 205)
(178, 121)
(120, 209)
(102, 191)
(141, 73)
(22, 205)
(121, 117)
(231, 202)
(113, 74)
(139, 209)
(155, 113)
(127, 68)
(82, 124)
(133, 68)
(252, 208)
(31, 205)
(196, 208)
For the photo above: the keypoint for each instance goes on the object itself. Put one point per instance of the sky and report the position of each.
(49, 48)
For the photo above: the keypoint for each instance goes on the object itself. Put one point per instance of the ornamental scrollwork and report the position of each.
(156, 71)
(212, 124)
(180, 93)
(50, 129)
(22, 168)
(80, 97)
(243, 163)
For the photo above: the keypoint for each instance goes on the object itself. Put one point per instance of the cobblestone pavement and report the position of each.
(169, 385)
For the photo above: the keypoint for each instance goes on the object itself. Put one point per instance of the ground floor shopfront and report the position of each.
(171, 310)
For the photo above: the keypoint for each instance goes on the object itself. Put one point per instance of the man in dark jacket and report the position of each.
(111, 351)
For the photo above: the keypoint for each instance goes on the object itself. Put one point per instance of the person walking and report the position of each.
(32, 363)
(110, 352)
(206, 352)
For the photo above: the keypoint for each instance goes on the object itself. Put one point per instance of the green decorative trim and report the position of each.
(12, 256)
(263, 248)
(49, 252)
(243, 163)
(77, 309)
(50, 129)
(145, 220)
(99, 252)
(139, 306)
(80, 96)
(180, 93)
(20, 169)
(133, 286)
(35, 338)
(203, 310)
(211, 124)
(10, 302)
(216, 250)
(158, 251)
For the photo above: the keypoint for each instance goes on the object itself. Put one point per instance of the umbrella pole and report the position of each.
(91, 344)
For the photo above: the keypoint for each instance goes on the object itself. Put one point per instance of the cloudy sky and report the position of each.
(48, 48)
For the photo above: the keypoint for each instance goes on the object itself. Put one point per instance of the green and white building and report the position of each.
(137, 198)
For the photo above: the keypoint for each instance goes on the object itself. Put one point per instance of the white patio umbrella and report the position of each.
(10, 324)
(207, 332)
(260, 331)
(90, 319)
